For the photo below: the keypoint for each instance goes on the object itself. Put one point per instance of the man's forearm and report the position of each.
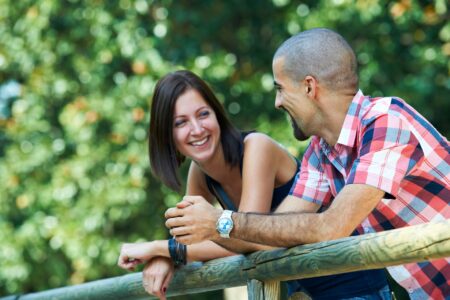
(288, 229)
(282, 230)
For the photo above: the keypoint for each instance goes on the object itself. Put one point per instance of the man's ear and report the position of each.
(310, 86)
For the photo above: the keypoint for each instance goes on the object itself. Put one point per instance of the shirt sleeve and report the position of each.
(310, 183)
(387, 152)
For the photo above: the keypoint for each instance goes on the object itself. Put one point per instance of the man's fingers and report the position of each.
(186, 239)
(173, 212)
(179, 231)
(184, 203)
(175, 222)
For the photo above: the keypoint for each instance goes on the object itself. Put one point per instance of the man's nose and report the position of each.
(277, 102)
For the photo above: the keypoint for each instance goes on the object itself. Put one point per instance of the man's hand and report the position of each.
(193, 220)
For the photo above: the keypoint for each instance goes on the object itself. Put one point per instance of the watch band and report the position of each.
(226, 214)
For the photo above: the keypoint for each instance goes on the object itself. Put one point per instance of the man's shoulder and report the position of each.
(373, 108)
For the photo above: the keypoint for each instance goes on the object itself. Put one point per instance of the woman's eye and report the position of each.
(179, 123)
(204, 113)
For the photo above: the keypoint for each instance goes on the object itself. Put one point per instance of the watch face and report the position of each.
(224, 225)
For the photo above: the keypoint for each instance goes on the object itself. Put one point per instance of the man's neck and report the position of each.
(334, 113)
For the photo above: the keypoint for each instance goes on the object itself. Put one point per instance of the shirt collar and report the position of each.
(347, 135)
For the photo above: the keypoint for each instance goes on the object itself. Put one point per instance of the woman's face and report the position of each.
(196, 132)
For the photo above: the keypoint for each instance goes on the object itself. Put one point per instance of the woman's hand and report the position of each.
(157, 275)
(132, 254)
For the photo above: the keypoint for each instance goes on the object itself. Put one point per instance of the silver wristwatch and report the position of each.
(225, 224)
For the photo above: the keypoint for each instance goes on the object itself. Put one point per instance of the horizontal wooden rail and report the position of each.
(369, 251)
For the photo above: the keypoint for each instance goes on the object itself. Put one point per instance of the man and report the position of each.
(372, 164)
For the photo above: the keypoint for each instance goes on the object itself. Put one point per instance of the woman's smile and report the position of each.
(201, 142)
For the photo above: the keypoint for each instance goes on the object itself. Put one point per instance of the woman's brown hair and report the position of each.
(164, 157)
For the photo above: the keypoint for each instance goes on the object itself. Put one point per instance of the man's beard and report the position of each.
(298, 133)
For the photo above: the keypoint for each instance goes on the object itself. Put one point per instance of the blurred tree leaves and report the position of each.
(74, 172)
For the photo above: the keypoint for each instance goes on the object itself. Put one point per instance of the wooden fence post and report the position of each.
(263, 290)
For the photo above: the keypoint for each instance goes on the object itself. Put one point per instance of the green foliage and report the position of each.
(74, 172)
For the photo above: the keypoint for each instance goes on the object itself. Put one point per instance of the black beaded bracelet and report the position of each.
(172, 249)
(177, 252)
(182, 253)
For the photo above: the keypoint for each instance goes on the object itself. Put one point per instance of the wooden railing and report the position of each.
(261, 271)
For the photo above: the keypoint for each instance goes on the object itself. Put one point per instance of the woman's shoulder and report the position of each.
(257, 141)
(255, 137)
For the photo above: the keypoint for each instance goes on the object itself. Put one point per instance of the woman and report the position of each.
(244, 171)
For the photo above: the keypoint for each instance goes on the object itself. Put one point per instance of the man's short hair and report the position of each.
(323, 54)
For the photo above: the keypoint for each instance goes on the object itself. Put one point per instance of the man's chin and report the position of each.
(299, 135)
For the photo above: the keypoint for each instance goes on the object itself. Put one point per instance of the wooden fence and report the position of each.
(261, 271)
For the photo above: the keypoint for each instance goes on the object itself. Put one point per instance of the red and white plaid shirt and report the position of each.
(385, 143)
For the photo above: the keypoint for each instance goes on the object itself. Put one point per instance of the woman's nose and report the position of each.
(196, 127)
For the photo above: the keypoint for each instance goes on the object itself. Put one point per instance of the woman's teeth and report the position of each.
(201, 142)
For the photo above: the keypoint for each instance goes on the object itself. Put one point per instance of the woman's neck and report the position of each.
(217, 168)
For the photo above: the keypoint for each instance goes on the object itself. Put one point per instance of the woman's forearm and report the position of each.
(159, 248)
(205, 251)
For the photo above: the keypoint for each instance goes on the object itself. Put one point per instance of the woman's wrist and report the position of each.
(160, 248)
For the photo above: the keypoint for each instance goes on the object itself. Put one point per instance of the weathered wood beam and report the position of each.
(370, 251)
(263, 290)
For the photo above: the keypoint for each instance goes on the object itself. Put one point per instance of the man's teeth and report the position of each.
(199, 143)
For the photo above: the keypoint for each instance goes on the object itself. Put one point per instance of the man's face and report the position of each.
(289, 97)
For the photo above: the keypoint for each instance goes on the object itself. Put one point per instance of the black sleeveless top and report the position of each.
(329, 287)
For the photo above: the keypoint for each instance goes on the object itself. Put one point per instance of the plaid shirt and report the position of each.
(385, 143)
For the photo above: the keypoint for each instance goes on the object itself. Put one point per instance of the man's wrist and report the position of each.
(215, 236)
(236, 216)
